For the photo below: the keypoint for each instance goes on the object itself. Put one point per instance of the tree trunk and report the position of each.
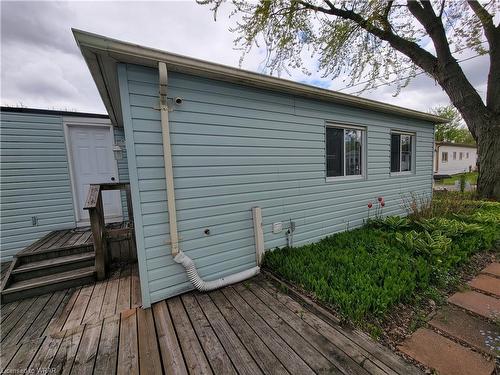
(488, 148)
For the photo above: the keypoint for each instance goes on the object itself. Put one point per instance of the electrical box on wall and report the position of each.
(277, 227)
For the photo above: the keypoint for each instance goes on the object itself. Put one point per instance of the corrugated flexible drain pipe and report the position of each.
(178, 255)
(205, 286)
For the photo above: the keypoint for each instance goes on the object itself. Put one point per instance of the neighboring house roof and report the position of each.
(452, 144)
(39, 111)
(102, 54)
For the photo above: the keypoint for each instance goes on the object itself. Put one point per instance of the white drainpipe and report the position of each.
(178, 255)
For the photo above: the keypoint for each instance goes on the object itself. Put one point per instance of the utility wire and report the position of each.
(402, 78)
(369, 80)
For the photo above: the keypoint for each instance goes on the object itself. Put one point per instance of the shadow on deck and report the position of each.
(247, 328)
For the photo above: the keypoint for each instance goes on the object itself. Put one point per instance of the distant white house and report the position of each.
(453, 158)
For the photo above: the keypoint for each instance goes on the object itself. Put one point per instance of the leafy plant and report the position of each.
(392, 223)
(364, 272)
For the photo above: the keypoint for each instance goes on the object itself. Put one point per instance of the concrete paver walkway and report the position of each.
(463, 337)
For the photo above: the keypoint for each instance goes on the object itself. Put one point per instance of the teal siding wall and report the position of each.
(236, 147)
(34, 180)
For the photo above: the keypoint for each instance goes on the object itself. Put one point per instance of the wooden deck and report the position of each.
(248, 328)
(58, 240)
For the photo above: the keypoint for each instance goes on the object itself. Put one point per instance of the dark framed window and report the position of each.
(344, 151)
(401, 152)
(444, 157)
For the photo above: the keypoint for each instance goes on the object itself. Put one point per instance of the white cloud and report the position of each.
(42, 67)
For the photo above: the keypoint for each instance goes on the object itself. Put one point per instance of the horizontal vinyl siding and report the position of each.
(34, 180)
(236, 147)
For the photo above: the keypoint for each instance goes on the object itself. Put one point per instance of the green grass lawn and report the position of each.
(470, 177)
(363, 272)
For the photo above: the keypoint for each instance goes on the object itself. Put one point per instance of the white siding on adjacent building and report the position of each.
(460, 159)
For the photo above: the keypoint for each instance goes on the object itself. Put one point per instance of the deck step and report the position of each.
(55, 253)
(52, 265)
(48, 283)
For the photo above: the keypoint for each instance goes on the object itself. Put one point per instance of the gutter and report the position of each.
(179, 256)
(120, 51)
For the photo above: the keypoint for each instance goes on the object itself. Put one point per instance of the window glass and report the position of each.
(454, 155)
(334, 152)
(444, 157)
(352, 152)
(395, 152)
(405, 153)
(461, 155)
(401, 152)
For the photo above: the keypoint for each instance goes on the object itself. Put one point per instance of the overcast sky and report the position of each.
(42, 67)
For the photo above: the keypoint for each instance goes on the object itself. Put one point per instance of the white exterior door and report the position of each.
(93, 162)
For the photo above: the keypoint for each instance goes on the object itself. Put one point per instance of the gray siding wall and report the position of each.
(34, 180)
(235, 147)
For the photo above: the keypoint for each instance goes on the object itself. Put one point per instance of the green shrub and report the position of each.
(365, 271)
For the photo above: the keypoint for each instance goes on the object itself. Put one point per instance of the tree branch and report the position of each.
(490, 31)
(443, 67)
(492, 35)
(419, 56)
(385, 16)
(442, 8)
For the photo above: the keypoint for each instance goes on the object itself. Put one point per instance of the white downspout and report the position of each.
(178, 255)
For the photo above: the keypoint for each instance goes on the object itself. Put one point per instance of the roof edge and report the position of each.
(54, 112)
(98, 44)
(469, 145)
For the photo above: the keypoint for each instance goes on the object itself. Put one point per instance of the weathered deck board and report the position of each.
(128, 351)
(300, 345)
(46, 354)
(249, 328)
(107, 354)
(148, 347)
(110, 297)
(123, 298)
(15, 316)
(218, 358)
(23, 357)
(65, 356)
(7, 308)
(42, 320)
(170, 351)
(265, 358)
(196, 361)
(233, 346)
(291, 360)
(76, 315)
(25, 322)
(86, 354)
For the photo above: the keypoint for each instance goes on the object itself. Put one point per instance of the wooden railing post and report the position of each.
(101, 234)
(130, 209)
(97, 225)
